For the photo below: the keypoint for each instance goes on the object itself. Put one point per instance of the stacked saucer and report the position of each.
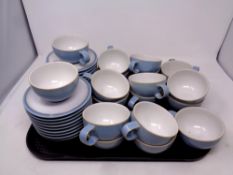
(58, 121)
(89, 67)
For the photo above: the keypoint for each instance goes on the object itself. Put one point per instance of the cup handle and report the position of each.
(133, 66)
(196, 68)
(163, 91)
(86, 137)
(133, 100)
(172, 112)
(128, 130)
(87, 76)
(110, 47)
(85, 59)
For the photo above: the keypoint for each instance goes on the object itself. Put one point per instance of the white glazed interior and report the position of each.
(110, 84)
(49, 110)
(155, 119)
(69, 43)
(53, 75)
(106, 113)
(145, 57)
(170, 67)
(199, 124)
(114, 59)
(188, 85)
(147, 78)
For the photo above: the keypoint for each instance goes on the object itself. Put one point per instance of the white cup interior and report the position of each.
(69, 43)
(188, 85)
(106, 114)
(53, 75)
(114, 59)
(145, 57)
(155, 119)
(147, 78)
(110, 84)
(170, 67)
(199, 124)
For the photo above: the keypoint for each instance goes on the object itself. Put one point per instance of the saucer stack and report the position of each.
(62, 120)
(89, 67)
(56, 99)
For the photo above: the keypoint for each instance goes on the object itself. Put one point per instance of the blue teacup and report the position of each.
(71, 49)
(144, 63)
(151, 123)
(103, 121)
(148, 85)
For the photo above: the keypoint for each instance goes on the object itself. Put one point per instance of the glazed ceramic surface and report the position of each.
(199, 127)
(72, 49)
(151, 124)
(172, 66)
(137, 98)
(177, 105)
(144, 63)
(103, 121)
(114, 59)
(35, 105)
(148, 84)
(109, 144)
(122, 101)
(154, 149)
(109, 85)
(52, 57)
(188, 86)
(54, 81)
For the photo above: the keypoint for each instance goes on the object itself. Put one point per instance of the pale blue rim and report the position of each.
(56, 116)
(84, 68)
(60, 119)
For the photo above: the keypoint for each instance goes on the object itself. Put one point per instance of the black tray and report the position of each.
(127, 151)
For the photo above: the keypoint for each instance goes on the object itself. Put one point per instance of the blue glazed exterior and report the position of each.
(150, 90)
(121, 101)
(177, 105)
(61, 115)
(91, 64)
(59, 94)
(109, 144)
(145, 136)
(76, 56)
(59, 120)
(137, 65)
(107, 132)
(199, 144)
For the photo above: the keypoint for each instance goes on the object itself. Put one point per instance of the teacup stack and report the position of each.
(74, 50)
(152, 127)
(187, 88)
(147, 87)
(109, 86)
(56, 99)
(102, 125)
